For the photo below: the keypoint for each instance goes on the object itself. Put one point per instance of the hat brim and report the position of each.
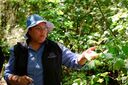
(49, 25)
(34, 24)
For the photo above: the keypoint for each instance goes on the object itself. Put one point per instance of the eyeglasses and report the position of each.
(41, 28)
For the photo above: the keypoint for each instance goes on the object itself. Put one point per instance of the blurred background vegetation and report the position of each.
(79, 24)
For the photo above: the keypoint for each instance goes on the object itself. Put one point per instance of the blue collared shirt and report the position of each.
(35, 70)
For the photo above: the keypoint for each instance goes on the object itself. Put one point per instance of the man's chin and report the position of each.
(41, 41)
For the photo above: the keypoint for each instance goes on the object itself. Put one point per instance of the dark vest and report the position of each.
(51, 60)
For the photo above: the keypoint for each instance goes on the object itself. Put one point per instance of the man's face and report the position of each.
(38, 33)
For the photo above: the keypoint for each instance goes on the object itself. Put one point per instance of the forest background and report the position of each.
(79, 24)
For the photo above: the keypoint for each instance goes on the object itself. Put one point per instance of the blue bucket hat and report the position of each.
(35, 19)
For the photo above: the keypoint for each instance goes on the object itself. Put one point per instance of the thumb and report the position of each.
(91, 49)
(29, 79)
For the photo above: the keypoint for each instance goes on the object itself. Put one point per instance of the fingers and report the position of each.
(25, 80)
(20, 80)
(90, 54)
(94, 55)
(29, 79)
(91, 49)
(13, 77)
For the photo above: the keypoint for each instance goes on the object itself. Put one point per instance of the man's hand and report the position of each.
(87, 55)
(24, 80)
(19, 80)
(90, 54)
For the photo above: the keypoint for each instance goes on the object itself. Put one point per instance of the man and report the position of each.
(39, 60)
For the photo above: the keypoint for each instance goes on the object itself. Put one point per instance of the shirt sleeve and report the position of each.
(9, 68)
(69, 59)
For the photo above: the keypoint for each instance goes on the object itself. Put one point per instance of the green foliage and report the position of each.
(79, 24)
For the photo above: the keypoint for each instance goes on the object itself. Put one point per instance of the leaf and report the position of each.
(91, 64)
(113, 49)
(118, 64)
(125, 49)
(104, 74)
(100, 80)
